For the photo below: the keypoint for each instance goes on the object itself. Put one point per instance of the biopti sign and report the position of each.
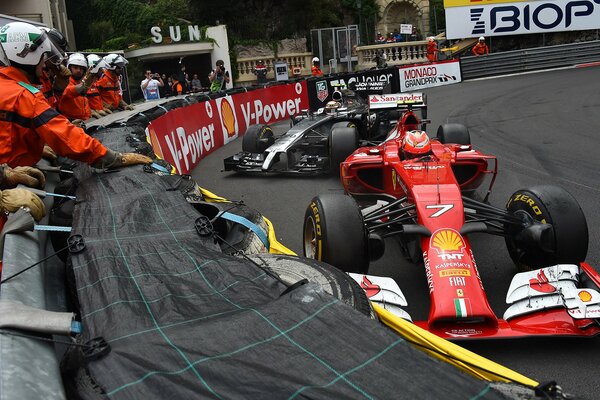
(473, 18)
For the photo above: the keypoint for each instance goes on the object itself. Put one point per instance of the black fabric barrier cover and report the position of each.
(184, 320)
(385, 80)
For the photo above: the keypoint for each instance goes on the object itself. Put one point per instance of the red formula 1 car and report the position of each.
(431, 205)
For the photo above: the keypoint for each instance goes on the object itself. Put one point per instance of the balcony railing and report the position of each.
(400, 53)
(246, 66)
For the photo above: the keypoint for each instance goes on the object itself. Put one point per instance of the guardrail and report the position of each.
(510, 62)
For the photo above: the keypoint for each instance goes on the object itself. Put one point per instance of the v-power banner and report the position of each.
(470, 18)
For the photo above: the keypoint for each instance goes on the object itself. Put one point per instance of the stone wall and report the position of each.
(286, 46)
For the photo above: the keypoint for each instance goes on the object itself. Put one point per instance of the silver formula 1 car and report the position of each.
(316, 142)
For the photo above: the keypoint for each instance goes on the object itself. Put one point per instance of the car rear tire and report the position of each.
(257, 139)
(550, 205)
(342, 143)
(340, 285)
(453, 134)
(334, 232)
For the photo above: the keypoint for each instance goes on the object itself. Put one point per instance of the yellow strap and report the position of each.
(451, 353)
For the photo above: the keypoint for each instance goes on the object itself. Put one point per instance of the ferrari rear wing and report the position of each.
(397, 101)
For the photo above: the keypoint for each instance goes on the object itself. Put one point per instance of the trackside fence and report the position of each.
(516, 61)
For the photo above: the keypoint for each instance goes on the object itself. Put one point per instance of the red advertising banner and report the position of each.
(186, 135)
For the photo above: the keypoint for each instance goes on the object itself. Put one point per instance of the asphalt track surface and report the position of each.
(545, 129)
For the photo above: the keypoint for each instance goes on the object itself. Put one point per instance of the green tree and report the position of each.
(437, 16)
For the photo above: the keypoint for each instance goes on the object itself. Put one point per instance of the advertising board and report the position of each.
(367, 82)
(185, 136)
(421, 76)
(499, 18)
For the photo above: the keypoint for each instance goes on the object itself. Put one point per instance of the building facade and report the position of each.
(396, 12)
(52, 13)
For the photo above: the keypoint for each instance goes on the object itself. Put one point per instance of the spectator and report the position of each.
(390, 38)
(74, 103)
(219, 77)
(181, 76)
(431, 49)
(379, 39)
(414, 36)
(260, 70)
(93, 94)
(481, 48)
(165, 90)
(177, 87)
(397, 36)
(150, 86)
(381, 59)
(196, 84)
(110, 84)
(316, 69)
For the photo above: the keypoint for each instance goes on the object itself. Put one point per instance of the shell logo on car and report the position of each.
(585, 296)
(447, 240)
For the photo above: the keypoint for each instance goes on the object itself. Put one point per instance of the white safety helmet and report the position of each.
(26, 44)
(95, 62)
(115, 60)
(431, 38)
(92, 60)
(77, 59)
(481, 38)
(315, 59)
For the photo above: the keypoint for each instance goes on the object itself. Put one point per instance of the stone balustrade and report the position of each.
(400, 53)
(245, 66)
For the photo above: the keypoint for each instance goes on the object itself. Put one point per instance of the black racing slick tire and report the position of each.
(257, 139)
(334, 232)
(291, 269)
(453, 134)
(342, 143)
(567, 243)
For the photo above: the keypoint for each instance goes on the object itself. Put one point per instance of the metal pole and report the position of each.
(435, 19)
(348, 49)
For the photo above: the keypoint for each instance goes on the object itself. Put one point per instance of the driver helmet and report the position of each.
(315, 60)
(25, 44)
(115, 60)
(481, 39)
(416, 144)
(331, 107)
